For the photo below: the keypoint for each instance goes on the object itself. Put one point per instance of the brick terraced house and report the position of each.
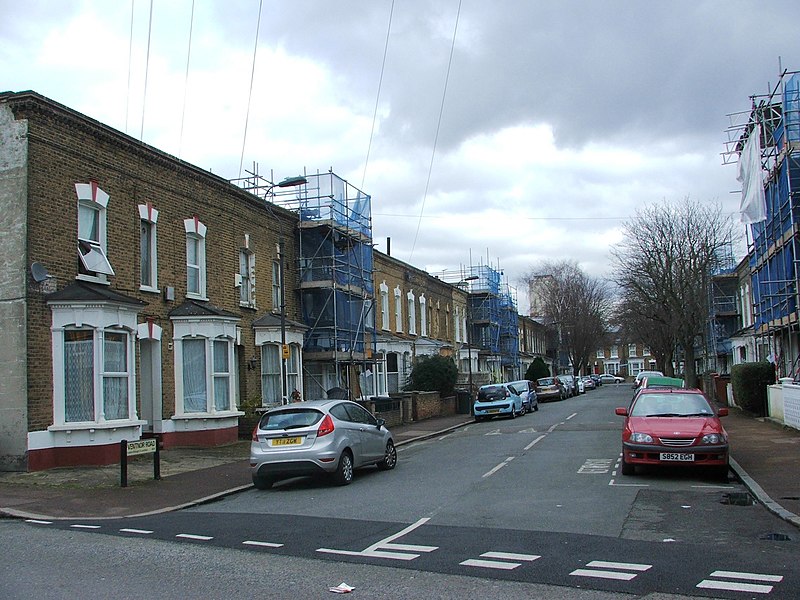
(137, 296)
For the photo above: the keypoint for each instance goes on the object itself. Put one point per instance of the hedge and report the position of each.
(749, 382)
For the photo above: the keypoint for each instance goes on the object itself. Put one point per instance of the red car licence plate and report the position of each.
(677, 457)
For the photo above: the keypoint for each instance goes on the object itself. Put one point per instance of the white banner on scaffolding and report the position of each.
(753, 206)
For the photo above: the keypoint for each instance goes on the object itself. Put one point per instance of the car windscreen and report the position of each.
(671, 405)
(546, 381)
(289, 419)
(491, 393)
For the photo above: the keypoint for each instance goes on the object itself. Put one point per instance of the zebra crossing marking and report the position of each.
(499, 562)
(740, 583)
(601, 569)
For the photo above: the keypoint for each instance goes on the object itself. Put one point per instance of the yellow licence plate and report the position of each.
(287, 441)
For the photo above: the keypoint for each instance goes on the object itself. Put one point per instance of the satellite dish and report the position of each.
(39, 272)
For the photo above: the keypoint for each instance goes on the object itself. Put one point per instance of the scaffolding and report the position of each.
(336, 286)
(774, 243)
(493, 317)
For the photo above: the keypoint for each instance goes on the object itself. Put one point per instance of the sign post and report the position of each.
(126, 449)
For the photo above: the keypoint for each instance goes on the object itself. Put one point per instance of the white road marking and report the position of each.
(748, 576)
(511, 556)
(498, 467)
(572, 415)
(38, 522)
(619, 565)
(596, 465)
(603, 574)
(191, 536)
(498, 564)
(550, 430)
(378, 549)
(613, 482)
(618, 575)
(538, 439)
(262, 544)
(733, 586)
(142, 531)
(493, 432)
(78, 526)
(490, 564)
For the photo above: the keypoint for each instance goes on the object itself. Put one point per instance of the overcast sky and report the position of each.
(558, 119)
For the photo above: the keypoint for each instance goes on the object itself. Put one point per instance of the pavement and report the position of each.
(765, 457)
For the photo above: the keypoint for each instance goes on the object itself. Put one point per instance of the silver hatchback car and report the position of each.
(331, 437)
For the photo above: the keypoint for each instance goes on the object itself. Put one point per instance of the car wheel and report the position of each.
(524, 410)
(262, 483)
(389, 457)
(627, 468)
(513, 412)
(536, 407)
(344, 472)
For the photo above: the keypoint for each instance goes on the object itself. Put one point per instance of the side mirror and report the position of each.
(381, 423)
(622, 412)
(722, 412)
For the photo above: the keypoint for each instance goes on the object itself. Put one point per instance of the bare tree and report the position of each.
(575, 304)
(665, 263)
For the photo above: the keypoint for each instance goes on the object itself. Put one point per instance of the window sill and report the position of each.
(86, 425)
(193, 296)
(151, 290)
(91, 278)
(205, 415)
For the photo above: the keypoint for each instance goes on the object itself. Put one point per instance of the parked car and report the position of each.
(572, 384)
(581, 386)
(673, 427)
(549, 388)
(527, 391)
(642, 374)
(658, 383)
(596, 378)
(318, 437)
(588, 382)
(609, 378)
(496, 400)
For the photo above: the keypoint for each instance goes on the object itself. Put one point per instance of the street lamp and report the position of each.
(288, 182)
(469, 334)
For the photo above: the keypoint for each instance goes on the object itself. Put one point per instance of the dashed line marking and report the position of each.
(740, 585)
(38, 522)
(79, 526)
(499, 562)
(139, 531)
(192, 536)
(262, 544)
(498, 467)
(537, 440)
(572, 415)
(621, 575)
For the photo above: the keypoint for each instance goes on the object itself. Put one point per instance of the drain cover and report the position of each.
(738, 499)
(775, 537)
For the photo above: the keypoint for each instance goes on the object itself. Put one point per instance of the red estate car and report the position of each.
(673, 427)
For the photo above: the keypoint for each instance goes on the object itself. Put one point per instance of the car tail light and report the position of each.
(255, 433)
(325, 427)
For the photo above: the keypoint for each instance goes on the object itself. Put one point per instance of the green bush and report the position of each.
(433, 374)
(537, 369)
(749, 382)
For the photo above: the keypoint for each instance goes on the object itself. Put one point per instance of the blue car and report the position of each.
(497, 400)
(526, 390)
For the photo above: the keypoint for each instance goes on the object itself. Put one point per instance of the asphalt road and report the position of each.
(532, 501)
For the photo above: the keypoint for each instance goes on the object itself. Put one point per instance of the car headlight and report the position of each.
(641, 438)
(713, 438)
